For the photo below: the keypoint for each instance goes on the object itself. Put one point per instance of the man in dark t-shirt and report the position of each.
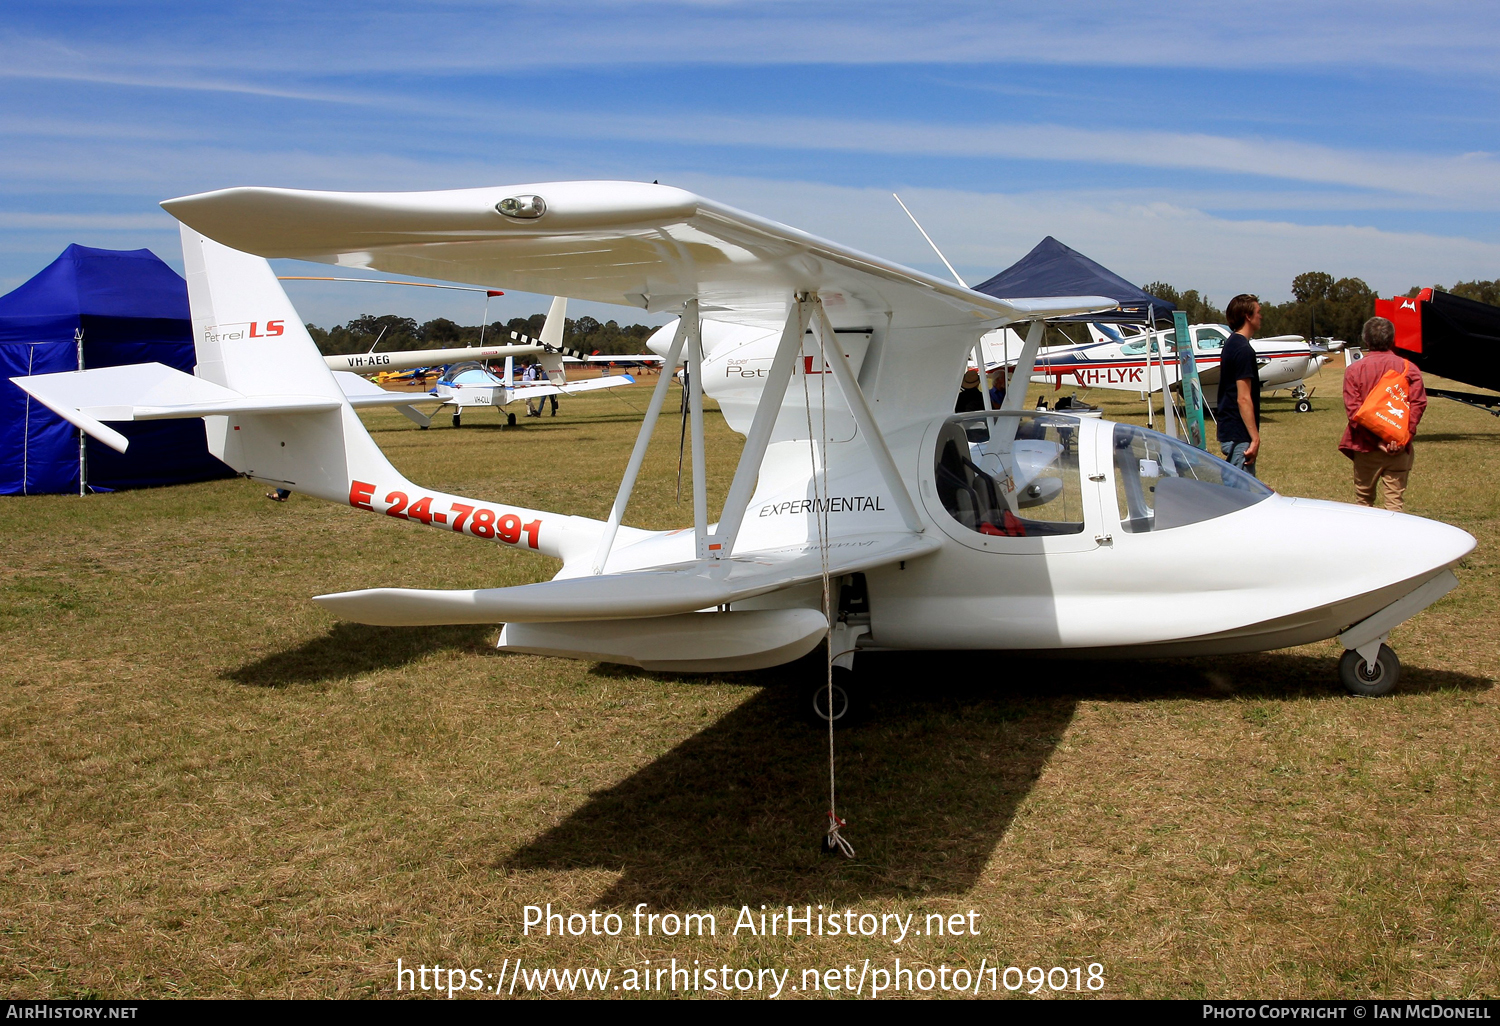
(1238, 408)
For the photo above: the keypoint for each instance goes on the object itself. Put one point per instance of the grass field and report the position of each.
(211, 788)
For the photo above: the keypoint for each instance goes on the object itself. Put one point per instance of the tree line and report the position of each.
(1321, 305)
(394, 332)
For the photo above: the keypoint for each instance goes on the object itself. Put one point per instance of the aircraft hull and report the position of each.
(1108, 592)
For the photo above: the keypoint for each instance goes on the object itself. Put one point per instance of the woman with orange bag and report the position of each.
(1384, 397)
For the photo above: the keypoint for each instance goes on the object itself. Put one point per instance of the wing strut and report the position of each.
(759, 435)
(1025, 364)
(808, 312)
(695, 409)
(642, 443)
(829, 339)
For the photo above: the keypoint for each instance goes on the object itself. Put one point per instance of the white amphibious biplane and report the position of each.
(1002, 529)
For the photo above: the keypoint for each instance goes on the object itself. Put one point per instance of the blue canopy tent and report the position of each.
(130, 308)
(1052, 269)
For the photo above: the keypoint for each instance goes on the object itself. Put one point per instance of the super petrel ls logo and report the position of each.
(242, 330)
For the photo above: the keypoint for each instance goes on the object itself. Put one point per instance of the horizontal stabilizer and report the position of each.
(364, 394)
(149, 391)
(630, 595)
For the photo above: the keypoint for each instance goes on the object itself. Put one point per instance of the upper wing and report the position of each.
(648, 246)
(638, 593)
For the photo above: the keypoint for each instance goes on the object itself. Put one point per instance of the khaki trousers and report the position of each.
(1370, 468)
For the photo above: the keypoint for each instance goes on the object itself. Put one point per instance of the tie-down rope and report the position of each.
(834, 840)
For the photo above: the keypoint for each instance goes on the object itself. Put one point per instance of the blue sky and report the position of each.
(1219, 146)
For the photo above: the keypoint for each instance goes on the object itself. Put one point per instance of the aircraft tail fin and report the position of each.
(552, 336)
(249, 340)
(274, 411)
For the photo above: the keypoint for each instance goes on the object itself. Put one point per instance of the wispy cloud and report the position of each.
(983, 233)
(1369, 179)
(1470, 178)
(12, 220)
(461, 38)
(1253, 116)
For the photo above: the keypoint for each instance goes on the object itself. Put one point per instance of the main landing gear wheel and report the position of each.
(458, 413)
(510, 420)
(1370, 681)
(1304, 405)
(845, 700)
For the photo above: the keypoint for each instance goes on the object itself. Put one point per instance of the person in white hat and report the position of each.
(969, 397)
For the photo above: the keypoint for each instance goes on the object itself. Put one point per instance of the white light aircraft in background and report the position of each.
(1116, 357)
(467, 381)
(1002, 529)
(470, 383)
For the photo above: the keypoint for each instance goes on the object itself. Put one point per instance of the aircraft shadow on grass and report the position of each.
(353, 649)
(933, 776)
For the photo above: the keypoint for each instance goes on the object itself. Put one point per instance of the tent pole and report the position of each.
(83, 449)
(1168, 409)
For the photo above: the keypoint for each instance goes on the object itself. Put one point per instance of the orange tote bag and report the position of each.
(1386, 411)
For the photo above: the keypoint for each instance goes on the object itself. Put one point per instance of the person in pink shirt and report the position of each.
(1376, 461)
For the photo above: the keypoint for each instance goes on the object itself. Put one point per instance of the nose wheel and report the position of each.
(1304, 405)
(1370, 680)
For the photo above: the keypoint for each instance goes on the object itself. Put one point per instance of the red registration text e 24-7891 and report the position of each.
(479, 521)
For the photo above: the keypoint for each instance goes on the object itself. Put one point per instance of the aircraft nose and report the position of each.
(1413, 546)
(1384, 548)
(1441, 543)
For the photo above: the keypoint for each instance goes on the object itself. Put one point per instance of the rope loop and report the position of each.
(835, 840)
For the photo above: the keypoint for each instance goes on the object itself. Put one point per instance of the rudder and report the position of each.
(249, 338)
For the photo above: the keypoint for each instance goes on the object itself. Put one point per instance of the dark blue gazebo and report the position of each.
(130, 308)
(1052, 269)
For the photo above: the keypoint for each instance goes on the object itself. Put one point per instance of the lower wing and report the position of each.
(631, 595)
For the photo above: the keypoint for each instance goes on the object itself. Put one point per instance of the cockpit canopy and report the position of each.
(1024, 475)
(1011, 475)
